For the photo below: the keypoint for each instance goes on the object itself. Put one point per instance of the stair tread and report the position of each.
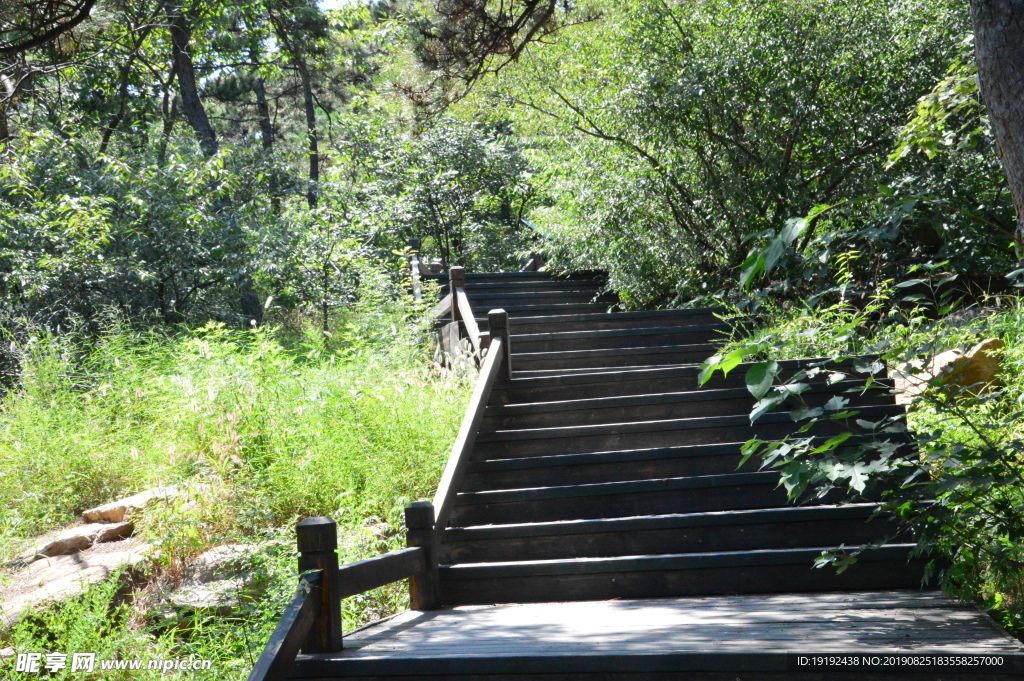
(667, 561)
(625, 315)
(695, 422)
(613, 333)
(613, 352)
(642, 374)
(620, 455)
(704, 395)
(617, 487)
(660, 521)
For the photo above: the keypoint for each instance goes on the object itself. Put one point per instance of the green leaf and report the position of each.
(760, 378)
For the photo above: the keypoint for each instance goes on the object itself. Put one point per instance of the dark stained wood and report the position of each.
(443, 308)
(419, 523)
(612, 338)
(456, 280)
(615, 320)
(622, 499)
(498, 324)
(671, 638)
(318, 543)
(659, 406)
(448, 487)
(466, 314)
(650, 576)
(298, 618)
(662, 433)
(356, 578)
(665, 534)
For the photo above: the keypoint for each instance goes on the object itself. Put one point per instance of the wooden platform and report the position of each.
(757, 636)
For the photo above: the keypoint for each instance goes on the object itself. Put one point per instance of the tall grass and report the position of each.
(274, 425)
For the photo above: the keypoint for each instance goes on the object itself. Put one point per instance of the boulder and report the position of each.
(124, 509)
(954, 371)
(221, 562)
(58, 578)
(75, 539)
(215, 581)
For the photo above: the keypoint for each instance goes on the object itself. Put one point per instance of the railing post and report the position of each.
(419, 523)
(414, 265)
(456, 279)
(318, 544)
(497, 320)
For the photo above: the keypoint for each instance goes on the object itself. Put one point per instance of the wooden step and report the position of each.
(492, 276)
(692, 494)
(794, 527)
(490, 301)
(662, 433)
(676, 405)
(612, 320)
(474, 287)
(618, 466)
(598, 467)
(548, 309)
(617, 382)
(613, 338)
(551, 363)
(686, 574)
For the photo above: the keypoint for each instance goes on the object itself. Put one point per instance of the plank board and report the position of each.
(712, 634)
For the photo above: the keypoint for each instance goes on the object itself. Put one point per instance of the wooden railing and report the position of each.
(415, 268)
(311, 622)
(496, 368)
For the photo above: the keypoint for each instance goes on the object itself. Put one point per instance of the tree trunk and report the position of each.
(266, 132)
(191, 104)
(314, 154)
(263, 109)
(999, 46)
(6, 97)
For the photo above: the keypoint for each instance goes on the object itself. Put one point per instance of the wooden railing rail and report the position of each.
(495, 368)
(466, 312)
(415, 268)
(535, 262)
(442, 308)
(312, 621)
(461, 309)
(296, 622)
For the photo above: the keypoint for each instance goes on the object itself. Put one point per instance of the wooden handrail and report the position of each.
(535, 262)
(278, 655)
(442, 308)
(372, 573)
(466, 312)
(414, 266)
(312, 621)
(463, 447)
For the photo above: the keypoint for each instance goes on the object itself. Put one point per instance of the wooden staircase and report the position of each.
(602, 470)
(594, 478)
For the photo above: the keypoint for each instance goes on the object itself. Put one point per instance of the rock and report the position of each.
(58, 578)
(122, 509)
(221, 562)
(218, 579)
(973, 372)
(74, 539)
(381, 530)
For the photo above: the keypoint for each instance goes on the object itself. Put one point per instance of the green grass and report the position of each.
(277, 425)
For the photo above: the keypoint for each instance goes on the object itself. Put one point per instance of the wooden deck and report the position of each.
(760, 636)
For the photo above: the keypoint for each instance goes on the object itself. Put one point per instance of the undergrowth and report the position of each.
(267, 426)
